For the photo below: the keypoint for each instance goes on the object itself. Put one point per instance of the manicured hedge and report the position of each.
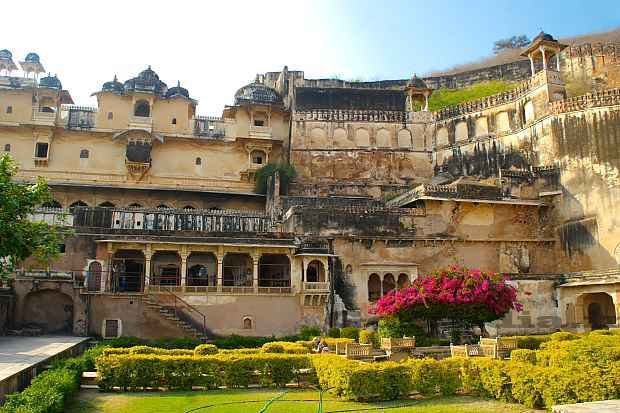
(284, 347)
(49, 391)
(369, 337)
(205, 350)
(140, 371)
(147, 350)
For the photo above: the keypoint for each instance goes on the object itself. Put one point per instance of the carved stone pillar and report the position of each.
(184, 256)
(255, 259)
(148, 253)
(219, 279)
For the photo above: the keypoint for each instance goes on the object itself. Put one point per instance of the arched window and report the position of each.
(78, 204)
(315, 272)
(258, 157)
(142, 109)
(9, 109)
(403, 280)
(107, 204)
(247, 323)
(93, 278)
(374, 287)
(7, 147)
(198, 161)
(388, 283)
(84, 154)
(110, 115)
(174, 121)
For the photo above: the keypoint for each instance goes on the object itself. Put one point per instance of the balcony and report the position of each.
(316, 287)
(141, 122)
(209, 127)
(44, 118)
(260, 132)
(79, 117)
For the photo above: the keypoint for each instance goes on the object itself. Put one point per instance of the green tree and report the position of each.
(514, 42)
(287, 174)
(20, 237)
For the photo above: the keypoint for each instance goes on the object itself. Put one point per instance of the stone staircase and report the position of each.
(167, 312)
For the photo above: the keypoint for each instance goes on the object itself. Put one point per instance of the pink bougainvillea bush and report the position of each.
(457, 293)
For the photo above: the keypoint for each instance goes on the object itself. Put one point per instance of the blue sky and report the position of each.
(215, 47)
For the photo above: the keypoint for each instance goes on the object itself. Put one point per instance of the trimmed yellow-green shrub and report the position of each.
(369, 337)
(563, 336)
(147, 350)
(205, 350)
(284, 347)
(524, 355)
(140, 371)
(331, 342)
(432, 377)
(306, 343)
(356, 380)
(486, 377)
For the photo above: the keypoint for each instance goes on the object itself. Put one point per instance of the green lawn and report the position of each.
(253, 401)
(443, 98)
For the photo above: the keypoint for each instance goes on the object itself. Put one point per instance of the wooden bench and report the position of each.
(466, 350)
(499, 347)
(397, 344)
(356, 351)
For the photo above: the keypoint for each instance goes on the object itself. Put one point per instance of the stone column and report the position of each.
(219, 279)
(557, 60)
(148, 253)
(425, 102)
(107, 274)
(255, 259)
(542, 50)
(531, 64)
(184, 255)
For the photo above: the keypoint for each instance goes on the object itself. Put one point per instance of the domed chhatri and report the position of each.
(146, 81)
(257, 93)
(51, 82)
(113, 86)
(32, 58)
(177, 91)
(543, 36)
(5, 55)
(416, 82)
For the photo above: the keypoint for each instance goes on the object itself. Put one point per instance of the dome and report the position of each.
(5, 54)
(113, 86)
(177, 91)
(32, 58)
(146, 81)
(257, 93)
(544, 36)
(416, 82)
(51, 82)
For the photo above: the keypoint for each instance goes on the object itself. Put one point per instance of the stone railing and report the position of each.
(335, 115)
(484, 103)
(609, 97)
(146, 219)
(316, 286)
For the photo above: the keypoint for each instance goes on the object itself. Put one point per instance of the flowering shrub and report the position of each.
(470, 295)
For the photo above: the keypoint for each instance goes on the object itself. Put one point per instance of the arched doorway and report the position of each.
(315, 272)
(201, 269)
(128, 271)
(274, 270)
(93, 277)
(599, 310)
(237, 270)
(374, 287)
(389, 284)
(166, 268)
(51, 310)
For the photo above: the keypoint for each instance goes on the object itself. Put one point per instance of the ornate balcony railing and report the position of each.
(316, 286)
(209, 127)
(79, 117)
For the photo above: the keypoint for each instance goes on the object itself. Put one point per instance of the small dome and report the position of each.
(257, 93)
(543, 36)
(5, 54)
(51, 82)
(32, 58)
(177, 91)
(416, 82)
(146, 81)
(113, 86)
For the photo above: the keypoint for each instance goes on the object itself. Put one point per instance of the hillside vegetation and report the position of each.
(443, 98)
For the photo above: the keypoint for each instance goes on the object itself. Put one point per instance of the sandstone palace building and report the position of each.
(172, 237)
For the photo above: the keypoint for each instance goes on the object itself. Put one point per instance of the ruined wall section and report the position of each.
(591, 66)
